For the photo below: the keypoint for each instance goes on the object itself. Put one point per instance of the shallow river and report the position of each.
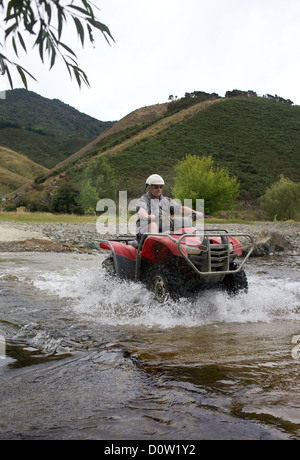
(89, 357)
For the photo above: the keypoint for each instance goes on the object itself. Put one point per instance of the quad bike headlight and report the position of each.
(191, 249)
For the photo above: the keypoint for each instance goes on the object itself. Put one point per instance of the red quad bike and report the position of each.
(179, 263)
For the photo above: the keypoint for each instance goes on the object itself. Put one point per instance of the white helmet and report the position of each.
(155, 179)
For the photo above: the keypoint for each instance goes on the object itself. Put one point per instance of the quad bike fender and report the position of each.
(158, 249)
(121, 249)
(124, 258)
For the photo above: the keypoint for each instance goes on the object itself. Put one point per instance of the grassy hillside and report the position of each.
(16, 170)
(256, 139)
(46, 131)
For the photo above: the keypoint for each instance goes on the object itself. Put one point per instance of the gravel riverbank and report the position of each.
(83, 237)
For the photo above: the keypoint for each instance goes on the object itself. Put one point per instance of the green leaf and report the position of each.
(88, 7)
(48, 11)
(22, 41)
(41, 50)
(52, 52)
(15, 46)
(7, 72)
(80, 29)
(67, 48)
(10, 29)
(77, 76)
(81, 10)
(22, 74)
(102, 27)
(61, 18)
(90, 30)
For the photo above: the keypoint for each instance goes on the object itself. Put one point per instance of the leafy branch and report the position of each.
(45, 20)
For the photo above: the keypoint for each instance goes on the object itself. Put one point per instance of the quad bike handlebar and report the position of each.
(172, 221)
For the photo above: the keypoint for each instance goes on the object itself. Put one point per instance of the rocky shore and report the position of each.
(61, 237)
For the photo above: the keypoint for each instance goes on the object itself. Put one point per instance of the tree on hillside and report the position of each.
(88, 197)
(198, 178)
(282, 199)
(100, 177)
(45, 20)
(66, 199)
(189, 100)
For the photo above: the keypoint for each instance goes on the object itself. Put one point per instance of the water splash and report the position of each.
(105, 300)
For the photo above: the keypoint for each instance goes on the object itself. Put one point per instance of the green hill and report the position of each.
(256, 139)
(46, 131)
(17, 170)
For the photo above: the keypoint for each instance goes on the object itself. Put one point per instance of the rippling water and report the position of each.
(90, 357)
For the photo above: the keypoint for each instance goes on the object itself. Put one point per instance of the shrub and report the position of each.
(197, 177)
(66, 199)
(282, 200)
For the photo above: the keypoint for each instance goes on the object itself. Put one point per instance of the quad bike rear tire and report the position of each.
(109, 266)
(164, 281)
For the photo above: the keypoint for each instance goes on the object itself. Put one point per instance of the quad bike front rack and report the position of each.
(222, 252)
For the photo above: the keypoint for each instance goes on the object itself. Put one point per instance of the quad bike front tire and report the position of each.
(164, 281)
(235, 283)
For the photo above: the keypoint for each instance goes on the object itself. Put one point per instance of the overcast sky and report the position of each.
(165, 47)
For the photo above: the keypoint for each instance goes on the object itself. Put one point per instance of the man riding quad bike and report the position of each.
(171, 256)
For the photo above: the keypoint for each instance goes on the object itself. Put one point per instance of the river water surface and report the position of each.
(90, 357)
